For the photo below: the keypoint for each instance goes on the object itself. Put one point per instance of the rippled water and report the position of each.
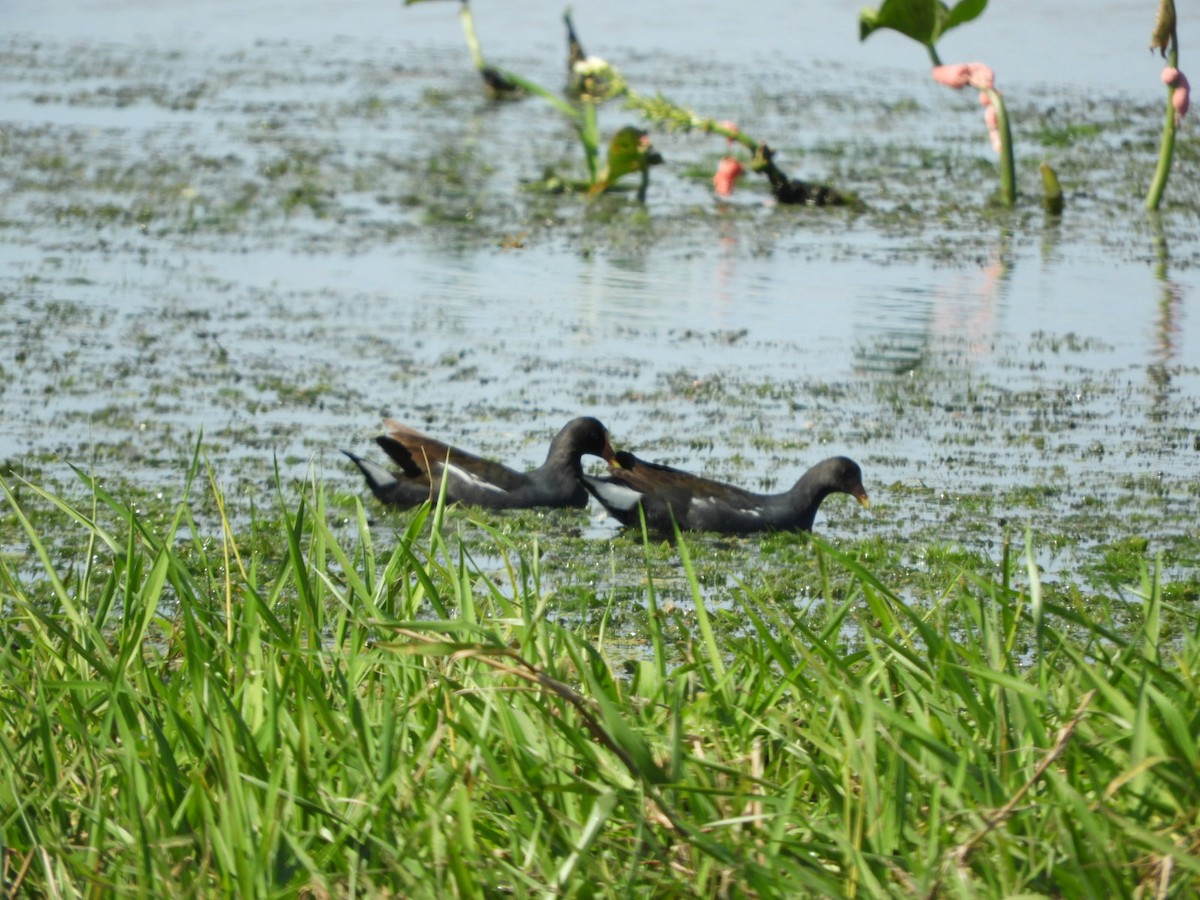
(735, 339)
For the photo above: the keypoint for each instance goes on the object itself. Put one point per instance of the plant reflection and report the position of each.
(1166, 327)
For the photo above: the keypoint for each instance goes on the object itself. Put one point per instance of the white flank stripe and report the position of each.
(464, 477)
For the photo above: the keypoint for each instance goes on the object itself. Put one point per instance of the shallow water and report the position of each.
(280, 223)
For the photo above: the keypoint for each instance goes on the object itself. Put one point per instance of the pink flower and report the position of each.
(981, 76)
(953, 76)
(728, 172)
(959, 75)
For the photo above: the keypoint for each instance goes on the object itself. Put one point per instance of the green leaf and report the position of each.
(628, 151)
(922, 20)
(917, 19)
(963, 11)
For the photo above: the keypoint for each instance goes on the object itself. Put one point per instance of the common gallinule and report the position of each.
(471, 480)
(699, 504)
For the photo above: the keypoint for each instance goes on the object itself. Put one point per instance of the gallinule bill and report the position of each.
(699, 504)
(474, 481)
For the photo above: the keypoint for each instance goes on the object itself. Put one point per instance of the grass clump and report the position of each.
(305, 712)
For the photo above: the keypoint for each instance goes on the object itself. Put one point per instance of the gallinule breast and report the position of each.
(425, 461)
(699, 504)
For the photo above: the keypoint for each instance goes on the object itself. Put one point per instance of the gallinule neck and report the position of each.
(699, 504)
(471, 480)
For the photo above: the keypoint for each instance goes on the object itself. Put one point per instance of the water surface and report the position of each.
(277, 223)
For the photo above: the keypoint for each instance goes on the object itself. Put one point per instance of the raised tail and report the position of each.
(386, 487)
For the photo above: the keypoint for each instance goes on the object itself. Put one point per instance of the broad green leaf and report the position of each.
(627, 153)
(963, 11)
(922, 20)
(917, 19)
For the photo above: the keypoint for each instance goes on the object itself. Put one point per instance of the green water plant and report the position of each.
(659, 110)
(925, 21)
(665, 113)
(1165, 39)
(1052, 193)
(592, 82)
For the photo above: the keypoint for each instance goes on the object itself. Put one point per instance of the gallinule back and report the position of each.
(471, 480)
(699, 504)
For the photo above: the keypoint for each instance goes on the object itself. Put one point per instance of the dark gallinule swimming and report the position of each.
(424, 461)
(698, 504)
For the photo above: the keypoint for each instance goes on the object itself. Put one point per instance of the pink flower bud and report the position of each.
(953, 76)
(959, 75)
(980, 76)
(728, 172)
(1170, 75)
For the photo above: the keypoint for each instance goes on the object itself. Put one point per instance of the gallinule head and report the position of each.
(699, 504)
(425, 461)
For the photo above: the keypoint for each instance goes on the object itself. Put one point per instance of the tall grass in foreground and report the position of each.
(237, 717)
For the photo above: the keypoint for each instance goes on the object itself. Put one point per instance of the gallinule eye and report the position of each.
(425, 461)
(699, 504)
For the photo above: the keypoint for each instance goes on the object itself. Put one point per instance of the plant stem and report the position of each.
(563, 106)
(678, 118)
(589, 133)
(1008, 174)
(468, 26)
(1166, 147)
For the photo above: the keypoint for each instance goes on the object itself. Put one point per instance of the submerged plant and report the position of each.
(1165, 40)
(927, 20)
